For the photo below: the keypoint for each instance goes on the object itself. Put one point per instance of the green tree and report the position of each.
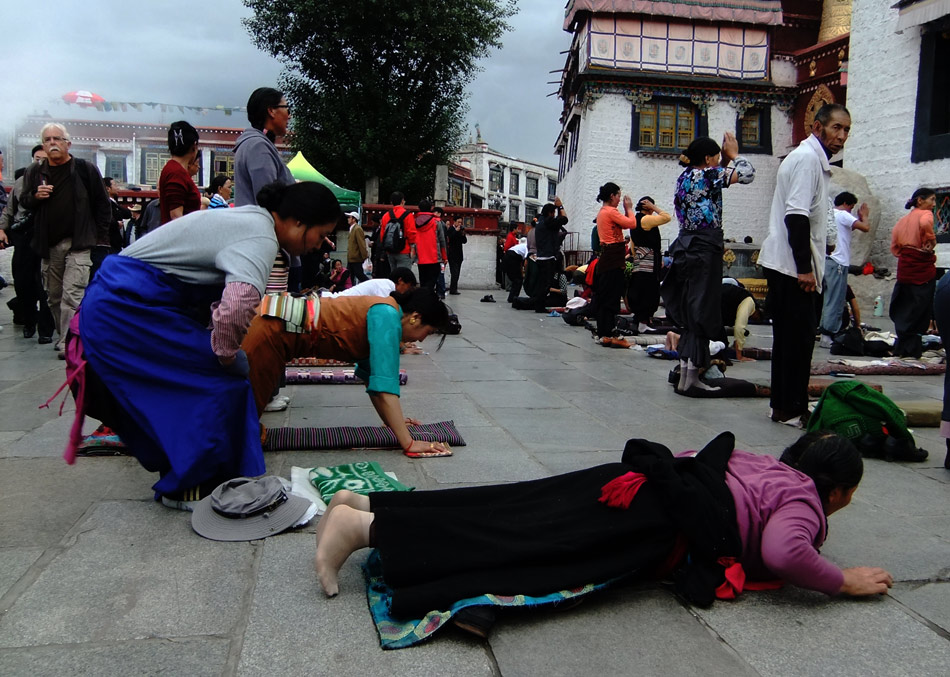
(377, 87)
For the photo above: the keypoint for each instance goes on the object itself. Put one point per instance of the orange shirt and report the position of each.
(916, 229)
(610, 224)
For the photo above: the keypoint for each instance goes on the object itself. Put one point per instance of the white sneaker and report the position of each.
(276, 405)
(825, 342)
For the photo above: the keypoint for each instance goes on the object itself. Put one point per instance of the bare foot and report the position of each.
(342, 497)
(346, 531)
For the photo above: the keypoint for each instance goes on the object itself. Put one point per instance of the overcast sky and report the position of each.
(199, 54)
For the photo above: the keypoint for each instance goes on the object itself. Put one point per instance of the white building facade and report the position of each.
(640, 85)
(517, 188)
(898, 83)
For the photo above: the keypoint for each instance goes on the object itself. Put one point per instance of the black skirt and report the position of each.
(528, 538)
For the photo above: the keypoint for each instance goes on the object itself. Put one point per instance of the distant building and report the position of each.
(643, 79)
(517, 188)
(134, 153)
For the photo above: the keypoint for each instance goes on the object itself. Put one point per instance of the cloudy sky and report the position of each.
(198, 54)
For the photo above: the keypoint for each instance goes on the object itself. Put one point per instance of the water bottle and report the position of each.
(878, 306)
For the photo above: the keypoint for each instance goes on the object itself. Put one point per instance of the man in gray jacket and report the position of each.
(257, 161)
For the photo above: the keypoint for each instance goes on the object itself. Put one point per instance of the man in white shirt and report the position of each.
(835, 282)
(400, 280)
(793, 258)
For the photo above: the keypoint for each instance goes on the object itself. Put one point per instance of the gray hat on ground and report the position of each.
(245, 509)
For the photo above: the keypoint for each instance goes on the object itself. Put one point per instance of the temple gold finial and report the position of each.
(835, 19)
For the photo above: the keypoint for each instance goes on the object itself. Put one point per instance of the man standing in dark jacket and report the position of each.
(547, 232)
(71, 213)
(456, 237)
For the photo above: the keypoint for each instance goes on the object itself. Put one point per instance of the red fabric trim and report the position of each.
(619, 492)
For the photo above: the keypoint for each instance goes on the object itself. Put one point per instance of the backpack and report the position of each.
(852, 409)
(394, 237)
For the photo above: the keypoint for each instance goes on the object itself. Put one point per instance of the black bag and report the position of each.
(454, 326)
(848, 342)
(394, 238)
(523, 303)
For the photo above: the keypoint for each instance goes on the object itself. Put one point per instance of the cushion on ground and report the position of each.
(922, 413)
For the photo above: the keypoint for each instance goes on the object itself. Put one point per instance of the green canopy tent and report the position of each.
(304, 171)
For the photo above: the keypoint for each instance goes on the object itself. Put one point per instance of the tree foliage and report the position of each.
(377, 87)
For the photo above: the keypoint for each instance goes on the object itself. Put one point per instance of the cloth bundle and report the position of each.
(894, 367)
(361, 478)
(363, 437)
(323, 375)
(317, 362)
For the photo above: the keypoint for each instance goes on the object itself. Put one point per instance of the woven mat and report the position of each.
(329, 376)
(362, 437)
(317, 362)
(892, 368)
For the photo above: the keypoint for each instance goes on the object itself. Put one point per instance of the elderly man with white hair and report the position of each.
(71, 213)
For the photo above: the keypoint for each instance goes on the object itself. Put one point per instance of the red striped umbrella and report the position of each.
(83, 98)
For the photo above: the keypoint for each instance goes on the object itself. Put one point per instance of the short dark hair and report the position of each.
(181, 138)
(547, 210)
(845, 198)
(260, 100)
(404, 274)
(830, 460)
(107, 181)
(425, 205)
(311, 203)
(216, 183)
(438, 210)
(37, 147)
(645, 198)
(396, 198)
(825, 112)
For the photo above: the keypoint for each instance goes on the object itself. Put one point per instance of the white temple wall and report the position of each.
(882, 98)
(604, 155)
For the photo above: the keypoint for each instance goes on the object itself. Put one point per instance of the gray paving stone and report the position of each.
(295, 630)
(28, 413)
(618, 632)
(491, 370)
(509, 348)
(795, 632)
(46, 440)
(13, 564)
(899, 489)
(930, 600)
(42, 498)
(564, 381)
(161, 585)
(430, 408)
(559, 430)
(858, 533)
(515, 394)
(490, 455)
(198, 657)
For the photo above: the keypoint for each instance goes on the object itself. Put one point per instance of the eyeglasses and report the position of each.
(283, 105)
(49, 139)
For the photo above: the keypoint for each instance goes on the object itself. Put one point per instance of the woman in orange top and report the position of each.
(608, 276)
(912, 242)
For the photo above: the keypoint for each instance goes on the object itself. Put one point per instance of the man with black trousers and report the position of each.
(455, 234)
(547, 232)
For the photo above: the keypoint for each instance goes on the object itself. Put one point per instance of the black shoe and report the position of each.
(42, 340)
(477, 620)
(454, 293)
(488, 298)
(903, 450)
(28, 331)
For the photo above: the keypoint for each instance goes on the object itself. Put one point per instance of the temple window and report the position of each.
(513, 183)
(754, 130)
(932, 119)
(665, 126)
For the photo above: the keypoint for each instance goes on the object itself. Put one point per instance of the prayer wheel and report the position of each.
(835, 19)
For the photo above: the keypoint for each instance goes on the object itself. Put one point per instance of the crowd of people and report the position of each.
(177, 322)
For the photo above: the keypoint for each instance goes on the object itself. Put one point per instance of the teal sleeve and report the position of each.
(384, 331)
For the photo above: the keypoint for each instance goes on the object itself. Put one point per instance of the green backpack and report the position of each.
(853, 409)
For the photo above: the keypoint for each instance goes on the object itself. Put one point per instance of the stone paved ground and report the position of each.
(97, 579)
